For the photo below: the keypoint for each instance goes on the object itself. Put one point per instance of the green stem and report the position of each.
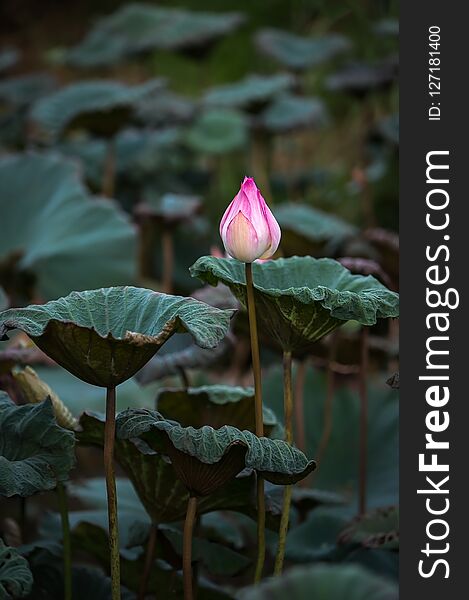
(67, 548)
(256, 367)
(149, 559)
(363, 421)
(187, 547)
(288, 410)
(168, 260)
(109, 439)
(109, 173)
(298, 406)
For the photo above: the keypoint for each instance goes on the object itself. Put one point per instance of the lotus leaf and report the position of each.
(289, 112)
(170, 209)
(299, 53)
(360, 78)
(16, 579)
(23, 90)
(218, 131)
(376, 529)
(100, 106)
(325, 582)
(206, 458)
(105, 336)
(301, 299)
(35, 453)
(66, 240)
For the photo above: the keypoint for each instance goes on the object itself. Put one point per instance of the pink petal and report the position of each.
(241, 240)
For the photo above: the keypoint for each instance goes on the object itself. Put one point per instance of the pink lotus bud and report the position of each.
(248, 228)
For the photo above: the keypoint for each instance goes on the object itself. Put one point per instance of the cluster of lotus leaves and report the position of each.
(301, 299)
(99, 106)
(35, 453)
(139, 28)
(67, 239)
(105, 336)
(206, 458)
(300, 53)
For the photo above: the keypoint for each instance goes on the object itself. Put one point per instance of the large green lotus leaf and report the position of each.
(299, 53)
(67, 240)
(23, 90)
(105, 336)
(16, 579)
(338, 470)
(301, 299)
(289, 113)
(376, 529)
(218, 131)
(163, 495)
(78, 396)
(252, 92)
(206, 458)
(307, 230)
(100, 106)
(361, 78)
(35, 453)
(213, 405)
(325, 582)
(137, 28)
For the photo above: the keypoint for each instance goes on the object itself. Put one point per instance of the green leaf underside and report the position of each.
(376, 529)
(67, 240)
(16, 579)
(163, 495)
(277, 461)
(213, 405)
(101, 106)
(35, 453)
(105, 336)
(325, 582)
(301, 299)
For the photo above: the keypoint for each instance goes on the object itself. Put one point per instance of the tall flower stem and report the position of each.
(109, 172)
(256, 367)
(67, 549)
(149, 559)
(363, 421)
(109, 440)
(167, 243)
(298, 406)
(187, 547)
(287, 493)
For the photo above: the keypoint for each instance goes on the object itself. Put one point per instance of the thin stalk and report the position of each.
(23, 518)
(67, 548)
(184, 377)
(287, 492)
(167, 242)
(109, 172)
(187, 547)
(149, 560)
(298, 406)
(363, 421)
(256, 367)
(109, 439)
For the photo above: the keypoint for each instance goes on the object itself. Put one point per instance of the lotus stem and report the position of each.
(184, 378)
(298, 406)
(287, 492)
(187, 547)
(67, 548)
(363, 421)
(109, 171)
(256, 367)
(109, 440)
(167, 243)
(23, 518)
(149, 559)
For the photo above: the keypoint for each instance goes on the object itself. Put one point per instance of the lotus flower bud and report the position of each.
(248, 228)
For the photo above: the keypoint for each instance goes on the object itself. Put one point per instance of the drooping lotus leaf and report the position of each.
(23, 90)
(67, 240)
(325, 582)
(137, 28)
(169, 209)
(207, 458)
(299, 53)
(163, 495)
(99, 106)
(251, 93)
(213, 405)
(360, 78)
(35, 453)
(218, 131)
(289, 112)
(16, 579)
(105, 336)
(309, 231)
(301, 299)
(376, 529)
